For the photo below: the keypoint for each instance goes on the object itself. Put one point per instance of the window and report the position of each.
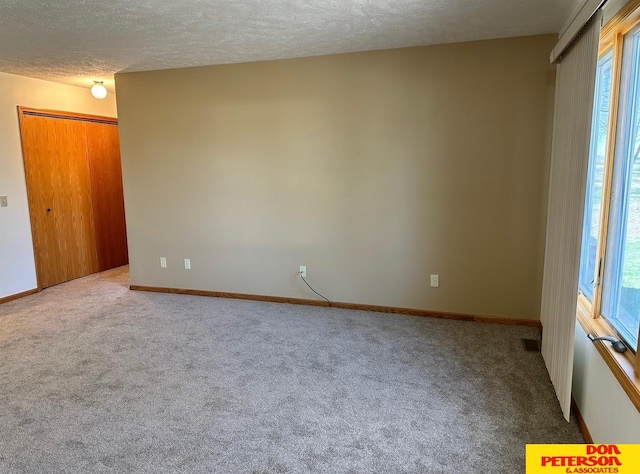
(609, 275)
(593, 201)
(621, 286)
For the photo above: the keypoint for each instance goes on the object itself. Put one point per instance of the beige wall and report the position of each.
(373, 169)
(17, 267)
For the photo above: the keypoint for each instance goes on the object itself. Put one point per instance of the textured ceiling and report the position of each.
(76, 41)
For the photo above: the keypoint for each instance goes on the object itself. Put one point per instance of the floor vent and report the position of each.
(531, 345)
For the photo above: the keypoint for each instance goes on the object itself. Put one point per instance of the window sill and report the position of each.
(621, 365)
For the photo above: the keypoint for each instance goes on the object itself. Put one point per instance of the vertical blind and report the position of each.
(574, 26)
(575, 84)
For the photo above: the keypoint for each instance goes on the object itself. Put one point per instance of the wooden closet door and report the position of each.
(59, 187)
(107, 194)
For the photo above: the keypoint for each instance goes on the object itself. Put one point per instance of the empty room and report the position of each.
(323, 236)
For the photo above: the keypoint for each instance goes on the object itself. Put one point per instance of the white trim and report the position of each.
(578, 5)
(573, 28)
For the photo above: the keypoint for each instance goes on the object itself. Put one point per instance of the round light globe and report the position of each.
(98, 90)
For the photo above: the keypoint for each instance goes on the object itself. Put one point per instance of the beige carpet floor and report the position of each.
(96, 378)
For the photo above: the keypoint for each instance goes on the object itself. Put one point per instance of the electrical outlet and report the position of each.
(163, 262)
(435, 281)
(3, 201)
(303, 271)
(187, 264)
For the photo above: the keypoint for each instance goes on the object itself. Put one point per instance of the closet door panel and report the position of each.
(103, 148)
(59, 190)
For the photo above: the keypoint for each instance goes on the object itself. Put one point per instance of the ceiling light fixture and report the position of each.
(98, 90)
